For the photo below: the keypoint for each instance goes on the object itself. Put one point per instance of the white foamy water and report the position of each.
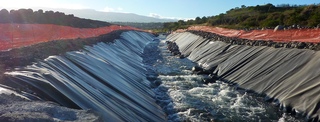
(184, 97)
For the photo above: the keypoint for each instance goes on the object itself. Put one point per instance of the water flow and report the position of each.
(184, 97)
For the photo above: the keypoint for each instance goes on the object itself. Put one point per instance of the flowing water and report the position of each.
(184, 97)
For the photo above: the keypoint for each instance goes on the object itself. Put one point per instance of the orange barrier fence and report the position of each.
(302, 35)
(19, 35)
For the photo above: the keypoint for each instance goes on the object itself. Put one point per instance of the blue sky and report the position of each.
(157, 8)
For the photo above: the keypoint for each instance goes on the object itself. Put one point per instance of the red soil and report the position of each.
(19, 35)
(302, 35)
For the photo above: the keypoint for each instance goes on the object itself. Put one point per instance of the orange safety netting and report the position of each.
(19, 35)
(302, 35)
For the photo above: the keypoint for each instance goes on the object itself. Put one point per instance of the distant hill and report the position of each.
(112, 16)
(28, 16)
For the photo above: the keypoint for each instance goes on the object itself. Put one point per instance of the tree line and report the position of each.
(260, 16)
(28, 16)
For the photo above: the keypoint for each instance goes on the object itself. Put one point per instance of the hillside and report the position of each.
(259, 16)
(28, 16)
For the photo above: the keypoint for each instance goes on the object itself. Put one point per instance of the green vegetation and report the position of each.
(29, 16)
(260, 16)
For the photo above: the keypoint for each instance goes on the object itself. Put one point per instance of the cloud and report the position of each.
(163, 17)
(155, 15)
(109, 9)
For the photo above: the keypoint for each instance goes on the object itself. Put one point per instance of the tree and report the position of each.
(181, 22)
(198, 20)
(4, 16)
(190, 22)
(314, 20)
(204, 19)
(26, 15)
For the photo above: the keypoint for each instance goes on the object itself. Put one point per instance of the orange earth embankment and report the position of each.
(301, 35)
(19, 35)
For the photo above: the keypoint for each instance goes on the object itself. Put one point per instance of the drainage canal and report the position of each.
(137, 79)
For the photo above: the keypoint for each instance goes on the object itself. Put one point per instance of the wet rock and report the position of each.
(268, 99)
(211, 79)
(176, 53)
(193, 111)
(174, 49)
(200, 71)
(196, 69)
(157, 82)
(181, 56)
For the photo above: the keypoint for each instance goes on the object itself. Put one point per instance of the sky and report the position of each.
(178, 9)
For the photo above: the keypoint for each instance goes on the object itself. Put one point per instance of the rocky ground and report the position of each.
(17, 109)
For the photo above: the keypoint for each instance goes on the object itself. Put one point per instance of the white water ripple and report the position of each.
(184, 97)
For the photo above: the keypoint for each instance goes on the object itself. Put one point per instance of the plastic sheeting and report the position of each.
(108, 78)
(290, 75)
(18, 35)
(302, 35)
